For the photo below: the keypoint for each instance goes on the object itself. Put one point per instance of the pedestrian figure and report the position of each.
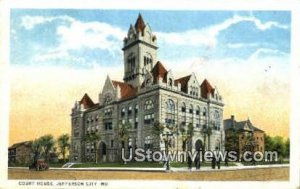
(219, 163)
(226, 161)
(213, 162)
(218, 160)
(197, 160)
(189, 160)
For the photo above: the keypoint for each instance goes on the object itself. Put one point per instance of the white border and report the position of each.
(289, 5)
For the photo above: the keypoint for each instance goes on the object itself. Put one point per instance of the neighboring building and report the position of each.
(243, 136)
(19, 153)
(148, 94)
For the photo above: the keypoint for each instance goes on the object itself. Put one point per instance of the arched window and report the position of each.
(183, 108)
(170, 112)
(191, 109)
(148, 61)
(131, 62)
(198, 116)
(123, 112)
(216, 121)
(204, 117)
(183, 113)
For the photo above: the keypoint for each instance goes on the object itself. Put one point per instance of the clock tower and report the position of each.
(140, 52)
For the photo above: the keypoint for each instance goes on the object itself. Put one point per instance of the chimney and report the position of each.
(232, 121)
(232, 117)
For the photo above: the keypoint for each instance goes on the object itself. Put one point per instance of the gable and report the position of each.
(108, 87)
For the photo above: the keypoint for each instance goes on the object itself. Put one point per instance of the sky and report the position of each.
(58, 55)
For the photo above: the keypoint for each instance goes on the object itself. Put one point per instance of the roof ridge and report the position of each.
(183, 77)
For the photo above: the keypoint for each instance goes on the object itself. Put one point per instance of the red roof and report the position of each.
(206, 88)
(140, 24)
(87, 101)
(159, 71)
(127, 90)
(183, 81)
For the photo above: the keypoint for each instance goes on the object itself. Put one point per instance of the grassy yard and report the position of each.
(27, 165)
(119, 164)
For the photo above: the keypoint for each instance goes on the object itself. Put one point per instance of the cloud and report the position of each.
(76, 36)
(57, 57)
(242, 45)
(207, 37)
(92, 35)
(261, 52)
(29, 22)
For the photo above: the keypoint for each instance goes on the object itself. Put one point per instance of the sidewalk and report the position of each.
(224, 168)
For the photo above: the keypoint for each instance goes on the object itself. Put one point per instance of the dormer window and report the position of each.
(170, 82)
(148, 82)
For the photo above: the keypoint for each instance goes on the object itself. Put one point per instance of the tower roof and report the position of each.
(127, 90)
(158, 71)
(206, 88)
(183, 81)
(86, 101)
(139, 24)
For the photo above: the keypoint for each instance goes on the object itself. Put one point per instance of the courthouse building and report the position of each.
(148, 93)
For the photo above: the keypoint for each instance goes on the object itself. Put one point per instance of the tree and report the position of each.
(165, 132)
(158, 128)
(287, 146)
(63, 142)
(93, 138)
(186, 134)
(269, 143)
(47, 144)
(279, 146)
(123, 132)
(206, 132)
(36, 149)
(232, 141)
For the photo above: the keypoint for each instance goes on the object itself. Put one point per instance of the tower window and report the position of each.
(147, 60)
(131, 62)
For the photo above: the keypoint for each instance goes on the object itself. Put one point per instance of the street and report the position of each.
(258, 174)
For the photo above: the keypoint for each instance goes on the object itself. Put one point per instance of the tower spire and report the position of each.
(139, 24)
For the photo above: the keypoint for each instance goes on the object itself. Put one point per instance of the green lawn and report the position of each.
(119, 164)
(27, 165)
